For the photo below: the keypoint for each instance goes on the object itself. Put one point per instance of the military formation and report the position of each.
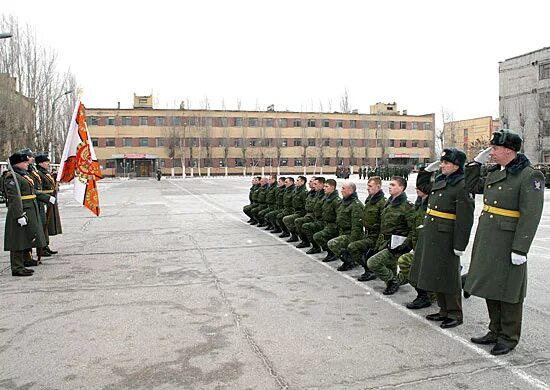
(33, 217)
(422, 243)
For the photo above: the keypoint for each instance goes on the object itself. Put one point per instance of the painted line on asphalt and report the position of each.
(537, 383)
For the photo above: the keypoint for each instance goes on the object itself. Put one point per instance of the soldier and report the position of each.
(252, 198)
(513, 198)
(159, 174)
(271, 216)
(23, 228)
(393, 228)
(261, 201)
(423, 189)
(364, 248)
(331, 202)
(288, 208)
(349, 219)
(298, 204)
(310, 228)
(270, 200)
(52, 223)
(308, 217)
(444, 237)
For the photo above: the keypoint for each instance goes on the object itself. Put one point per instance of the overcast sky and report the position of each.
(424, 55)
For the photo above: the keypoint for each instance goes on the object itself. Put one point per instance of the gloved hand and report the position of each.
(483, 156)
(22, 221)
(518, 259)
(432, 167)
(52, 200)
(459, 253)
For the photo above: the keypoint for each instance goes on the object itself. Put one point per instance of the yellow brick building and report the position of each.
(138, 141)
(470, 135)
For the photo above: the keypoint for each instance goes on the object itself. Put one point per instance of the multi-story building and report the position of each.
(524, 101)
(470, 135)
(140, 140)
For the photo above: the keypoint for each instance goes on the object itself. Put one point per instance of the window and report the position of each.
(143, 142)
(253, 122)
(238, 143)
(192, 121)
(126, 121)
(126, 142)
(223, 122)
(415, 144)
(297, 123)
(465, 134)
(268, 162)
(92, 121)
(159, 121)
(143, 121)
(176, 121)
(283, 122)
(252, 142)
(268, 122)
(193, 141)
(94, 142)
(162, 162)
(415, 125)
(339, 124)
(341, 161)
(546, 128)
(326, 123)
(267, 142)
(403, 125)
(339, 142)
(426, 144)
(222, 162)
(159, 142)
(297, 142)
(238, 122)
(284, 143)
(391, 124)
(238, 162)
(111, 121)
(544, 71)
(326, 142)
(392, 143)
(353, 124)
(109, 142)
(283, 162)
(298, 162)
(176, 163)
(110, 164)
(326, 161)
(142, 100)
(365, 124)
(208, 122)
(311, 142)
(403, 143)
(311, 123)
(311, 161)
(427, 126)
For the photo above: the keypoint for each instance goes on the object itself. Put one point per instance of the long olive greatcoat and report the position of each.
(16, 237)
(518, 187)
(49, 187)
(436, 267)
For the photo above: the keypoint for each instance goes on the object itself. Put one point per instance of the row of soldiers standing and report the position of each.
(33, 214)
(426, 240)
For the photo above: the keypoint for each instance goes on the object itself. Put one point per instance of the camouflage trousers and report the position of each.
(271, 216)
(256, 211)
(337, 244)
(262, 214)
(280, 217)
(299, 222)
(324, 236)
(248, 208)
(384, 265)
(358, 248)
(405, 262)
(290, 221)
(310, 228)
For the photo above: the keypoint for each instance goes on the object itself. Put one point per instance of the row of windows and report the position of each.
(253, 122)
(239, 142)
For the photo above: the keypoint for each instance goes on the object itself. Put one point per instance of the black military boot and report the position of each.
(284, 234)
(347, 261)
(421, 301)
(303, 244)
(314, 250)
(50, 251)
(253, 222)
(30, 263)
(276, 229)
(269, 226)
(367, 275)
(329, 257)
(293, 238)
(463, 280)
(262, 224)
(391, 288)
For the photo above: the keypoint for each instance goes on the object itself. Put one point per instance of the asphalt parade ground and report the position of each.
(170, 288)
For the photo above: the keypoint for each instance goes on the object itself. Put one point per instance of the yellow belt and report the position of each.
(47, 191)
(499, 211)
(441, 214)
(27, 197)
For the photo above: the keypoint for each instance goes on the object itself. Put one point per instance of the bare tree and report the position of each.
(345, 105)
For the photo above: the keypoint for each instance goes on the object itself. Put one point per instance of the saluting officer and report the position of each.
(513, 198)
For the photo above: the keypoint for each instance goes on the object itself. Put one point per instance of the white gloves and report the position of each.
(459, 253)
(483, 156)
(518, 259)
(22, 221)
(432, 167)
(52, 200)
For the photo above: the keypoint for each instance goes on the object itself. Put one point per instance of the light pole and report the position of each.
(5, 35)
(52, 144)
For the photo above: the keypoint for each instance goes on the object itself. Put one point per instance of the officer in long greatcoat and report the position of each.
(443, 239)
(513, 198)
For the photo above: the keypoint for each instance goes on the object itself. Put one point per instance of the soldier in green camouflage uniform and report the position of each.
(308, 217)
(308, 229)
(288, 208)
(364, 248)
(298, 204)
(271, 216)
(396, 217)
(270, 200)
(252, 196)
(261, 200)
(329, 212)
(349, 219)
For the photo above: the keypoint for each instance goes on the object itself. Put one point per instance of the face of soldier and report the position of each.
(319, 185)
(299, 182)
(24, 165)
(395, 189)
(311, 184)
(346, 190)
(502, 155)
(448, 168)
(373, 188)
(45, 165)
(271, 180)
(281, 183)
(288, 183)
(420, 194)
(254, 181)
(263, 181)
(329, 189)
